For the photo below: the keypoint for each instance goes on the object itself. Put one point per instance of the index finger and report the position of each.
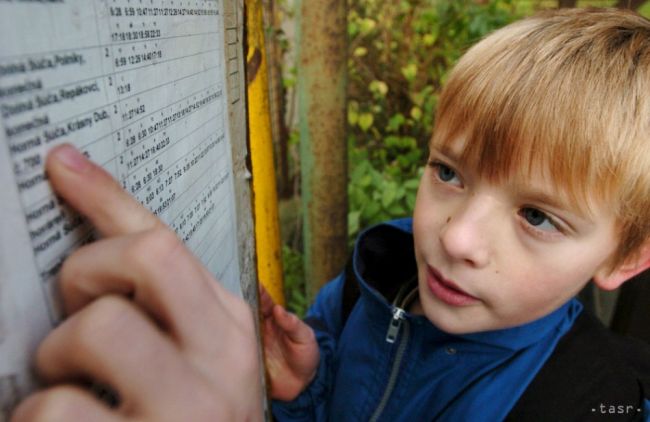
(93, 192)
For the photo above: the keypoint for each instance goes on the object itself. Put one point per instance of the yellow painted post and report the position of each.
(265, 200)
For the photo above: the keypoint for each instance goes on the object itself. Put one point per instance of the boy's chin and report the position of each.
(445, 320)
(462, 320)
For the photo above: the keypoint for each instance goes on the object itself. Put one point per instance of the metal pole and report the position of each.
(322, 35)
(265, 200)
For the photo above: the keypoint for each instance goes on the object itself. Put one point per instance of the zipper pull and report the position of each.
(395, 324)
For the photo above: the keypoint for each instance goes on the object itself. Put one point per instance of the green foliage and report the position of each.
(401, 52)
(294, 284)
(376, 195)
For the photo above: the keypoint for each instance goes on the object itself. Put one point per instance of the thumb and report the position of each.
(266, 302)
(294, 328)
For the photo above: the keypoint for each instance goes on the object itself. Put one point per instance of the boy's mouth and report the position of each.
(446, 290)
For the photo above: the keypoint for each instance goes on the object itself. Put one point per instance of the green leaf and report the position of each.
(353, 117)
(358, 171)
(353, 113)
(395, 122)
(366, 26)
(416, 113)
(380, 88)
(409, 142)
(410, 200)
(358, 196)
(392, 141)
(397, 210)
(365, 121)
(411, 184)
(353, 29)
(288, 82)
(429, 39)
(371, 210)
(388, 195)
(360, 52)
(410, 71)
(354, 218)
(365, 181)
(400, 192)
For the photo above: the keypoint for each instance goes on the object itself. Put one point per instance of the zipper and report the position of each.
(396, 323)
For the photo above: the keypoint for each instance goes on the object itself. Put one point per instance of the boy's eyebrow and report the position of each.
(446, 150)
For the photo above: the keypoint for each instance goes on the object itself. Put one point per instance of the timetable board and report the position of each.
(148, 90)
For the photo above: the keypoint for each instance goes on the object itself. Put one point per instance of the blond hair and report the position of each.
(566, 92)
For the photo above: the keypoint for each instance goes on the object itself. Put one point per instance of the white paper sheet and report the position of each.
(139, 86)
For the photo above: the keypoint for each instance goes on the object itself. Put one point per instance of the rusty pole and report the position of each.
(322, 40)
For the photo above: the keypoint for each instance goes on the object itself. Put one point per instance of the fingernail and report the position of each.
(71, 158)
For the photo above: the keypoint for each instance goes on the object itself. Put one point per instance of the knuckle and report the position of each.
(161, 240)
(51, 405)
(153, 247)
(70, 269)
(100, 322)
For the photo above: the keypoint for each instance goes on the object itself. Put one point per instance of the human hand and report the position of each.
(290, 349)
(145, 318)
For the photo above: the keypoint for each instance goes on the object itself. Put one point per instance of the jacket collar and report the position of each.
(384, 261)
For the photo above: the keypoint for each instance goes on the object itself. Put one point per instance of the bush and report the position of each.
(400, 54)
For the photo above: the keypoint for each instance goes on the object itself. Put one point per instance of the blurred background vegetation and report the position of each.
(399, 54)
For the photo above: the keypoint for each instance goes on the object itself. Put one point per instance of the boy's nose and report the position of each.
(464, 236)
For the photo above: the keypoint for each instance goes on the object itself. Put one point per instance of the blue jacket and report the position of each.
(383, 364)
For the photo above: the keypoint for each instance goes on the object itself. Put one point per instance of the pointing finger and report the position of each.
(94, 193)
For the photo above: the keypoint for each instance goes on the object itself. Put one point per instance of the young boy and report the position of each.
(537, 182)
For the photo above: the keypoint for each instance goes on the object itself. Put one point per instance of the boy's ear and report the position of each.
(611, 280)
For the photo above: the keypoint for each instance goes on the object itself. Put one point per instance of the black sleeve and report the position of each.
(592, 375)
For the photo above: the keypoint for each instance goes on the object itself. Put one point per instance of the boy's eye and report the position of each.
(538, 219)
(445, 173)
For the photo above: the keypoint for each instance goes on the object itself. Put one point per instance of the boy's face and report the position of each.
(496, 255)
